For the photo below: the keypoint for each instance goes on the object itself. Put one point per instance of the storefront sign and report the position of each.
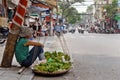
(117, 16)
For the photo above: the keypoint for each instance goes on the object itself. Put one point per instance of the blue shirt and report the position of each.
(58, 28)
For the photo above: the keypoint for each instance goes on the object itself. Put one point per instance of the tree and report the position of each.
(90, 8)
(111, 9)
(69, 12)
(72, 15)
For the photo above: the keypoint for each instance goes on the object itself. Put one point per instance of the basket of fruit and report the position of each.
(57, 63)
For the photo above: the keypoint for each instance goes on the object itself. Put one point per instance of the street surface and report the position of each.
(96, 57)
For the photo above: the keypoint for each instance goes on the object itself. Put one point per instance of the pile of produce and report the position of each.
(56, 61)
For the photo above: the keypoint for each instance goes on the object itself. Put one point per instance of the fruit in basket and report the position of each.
(67, 57)
(54, 62)
(47, 55)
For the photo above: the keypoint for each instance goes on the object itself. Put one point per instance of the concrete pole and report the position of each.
(4, 3)
(9, 48)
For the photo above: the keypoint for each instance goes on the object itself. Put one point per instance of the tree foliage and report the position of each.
(72, 15)
(90, 8)
(111, 9)
(69, 12)
(67, 3)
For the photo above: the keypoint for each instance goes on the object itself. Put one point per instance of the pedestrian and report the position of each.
(23, 56)
(39, 31)
(57, 29)
(45, 29)
(34, 27)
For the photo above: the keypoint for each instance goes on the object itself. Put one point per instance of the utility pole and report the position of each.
(4, 3)
(57, 11)
(107, 2)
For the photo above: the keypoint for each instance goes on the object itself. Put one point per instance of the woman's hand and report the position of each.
(31, 43)
(42, 45)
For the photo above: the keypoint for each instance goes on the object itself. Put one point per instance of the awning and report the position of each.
(41, 5)
(53, 3)
(35, 9)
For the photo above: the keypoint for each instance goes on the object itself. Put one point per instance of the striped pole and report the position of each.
(20, 13)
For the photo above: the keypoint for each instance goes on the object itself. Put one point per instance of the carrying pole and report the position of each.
(64, 45)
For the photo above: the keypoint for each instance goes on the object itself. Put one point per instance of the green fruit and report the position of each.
(54, 62)
(67, 57)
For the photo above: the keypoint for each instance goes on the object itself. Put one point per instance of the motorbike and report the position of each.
(81, 31)
(3, 34)
(72, 31)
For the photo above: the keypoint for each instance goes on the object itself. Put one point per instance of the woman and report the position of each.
(22, 53)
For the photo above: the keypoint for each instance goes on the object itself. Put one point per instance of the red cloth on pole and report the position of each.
(24, 2)
(20, 13)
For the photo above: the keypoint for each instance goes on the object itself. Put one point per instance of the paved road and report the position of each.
(96, 57)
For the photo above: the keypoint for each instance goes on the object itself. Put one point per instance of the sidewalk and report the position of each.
(51, 44)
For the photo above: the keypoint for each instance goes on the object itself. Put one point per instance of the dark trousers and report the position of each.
(35, 52)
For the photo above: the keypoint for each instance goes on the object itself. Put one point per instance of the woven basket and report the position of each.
(57, 73)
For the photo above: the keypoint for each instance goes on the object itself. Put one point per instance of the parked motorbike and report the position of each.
(3, 34)
(81, 31)
(72, 31)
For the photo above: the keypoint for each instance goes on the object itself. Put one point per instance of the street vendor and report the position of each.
(25, 57)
